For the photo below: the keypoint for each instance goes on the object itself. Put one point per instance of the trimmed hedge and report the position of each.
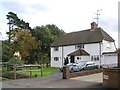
(10, 75)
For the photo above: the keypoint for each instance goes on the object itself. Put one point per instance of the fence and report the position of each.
(20, 69)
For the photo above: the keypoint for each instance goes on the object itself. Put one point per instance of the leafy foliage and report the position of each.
(33, 44)
(14, 61)
(15, 21)
(24, 42)
(46, 35)
(7, 52)
(10, 75)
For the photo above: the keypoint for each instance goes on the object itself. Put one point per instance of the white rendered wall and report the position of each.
(92, 49)
(82, 59)
(106, 48)
(110, 59)
(56, 54)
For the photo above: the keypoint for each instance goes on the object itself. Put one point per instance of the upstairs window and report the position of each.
(80, 46)
(56, 48)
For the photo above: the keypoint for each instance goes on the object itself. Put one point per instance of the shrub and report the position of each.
(14, 61)
(10, 75)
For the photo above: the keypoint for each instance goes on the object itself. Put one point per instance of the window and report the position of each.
(95, 58)
(56, 59)
(77, 58)
(56, 48)
(92, 58)
(80, 46)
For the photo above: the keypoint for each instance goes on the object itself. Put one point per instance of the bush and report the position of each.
(14, 61)
(10, 75)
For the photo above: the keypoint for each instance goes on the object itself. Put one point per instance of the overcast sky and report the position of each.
(69, 15)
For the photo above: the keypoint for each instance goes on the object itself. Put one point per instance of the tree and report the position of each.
(46, 35)
(24, 42)
(7, 51)
(13, 20)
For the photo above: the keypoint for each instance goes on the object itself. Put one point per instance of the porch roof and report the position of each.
(79, 52)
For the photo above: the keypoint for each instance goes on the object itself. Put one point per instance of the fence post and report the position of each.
(41, 71)
(30, 72)
(14, 71)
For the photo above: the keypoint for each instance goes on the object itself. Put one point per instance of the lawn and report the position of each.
(36, 72)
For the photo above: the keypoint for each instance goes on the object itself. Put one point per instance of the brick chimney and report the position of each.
(93, 25)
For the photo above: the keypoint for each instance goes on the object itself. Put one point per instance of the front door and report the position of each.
(72, 59)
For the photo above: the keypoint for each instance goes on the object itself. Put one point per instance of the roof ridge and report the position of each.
(101, 31)
(78, 31)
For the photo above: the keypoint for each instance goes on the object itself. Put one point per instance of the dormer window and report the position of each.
(56, 48)
(80, 46)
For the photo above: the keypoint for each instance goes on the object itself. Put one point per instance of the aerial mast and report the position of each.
(97, 16)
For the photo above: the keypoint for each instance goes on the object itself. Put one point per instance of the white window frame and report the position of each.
(95, 58)
(79, 46)
(56, 58)
(56, 48)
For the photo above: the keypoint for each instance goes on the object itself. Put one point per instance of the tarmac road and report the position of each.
(55, 81)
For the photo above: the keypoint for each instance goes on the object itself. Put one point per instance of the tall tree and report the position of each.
(46, 34)
(13, 20)
(24, 42)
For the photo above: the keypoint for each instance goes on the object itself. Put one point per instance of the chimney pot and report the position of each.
(93, 25)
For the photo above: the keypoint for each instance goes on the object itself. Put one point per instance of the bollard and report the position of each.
(14, 71)
(30, 73)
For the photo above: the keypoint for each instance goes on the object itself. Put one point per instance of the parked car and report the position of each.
(73, 67)
(69, 65)
(88, 66)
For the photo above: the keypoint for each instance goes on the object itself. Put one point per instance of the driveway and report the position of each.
(55, 81)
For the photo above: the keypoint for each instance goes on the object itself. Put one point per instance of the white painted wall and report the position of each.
(56, 54)
(82, 59)
(68, 49)
(110, 59)
(106, 47)
(92, 49)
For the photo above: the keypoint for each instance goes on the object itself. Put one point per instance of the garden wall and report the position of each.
(67, 74)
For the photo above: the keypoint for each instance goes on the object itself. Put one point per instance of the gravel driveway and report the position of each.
(55, 81)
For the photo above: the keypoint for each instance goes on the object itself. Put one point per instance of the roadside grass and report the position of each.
(1, 78)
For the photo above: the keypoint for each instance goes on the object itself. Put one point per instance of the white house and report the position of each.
(87, 45)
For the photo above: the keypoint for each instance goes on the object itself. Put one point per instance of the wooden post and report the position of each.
(14, 71)
(30, 72)
(118, 68)
(41, 71)
(119, 59)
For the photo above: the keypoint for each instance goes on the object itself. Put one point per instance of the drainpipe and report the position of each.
(62, 56)
(100, 53)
